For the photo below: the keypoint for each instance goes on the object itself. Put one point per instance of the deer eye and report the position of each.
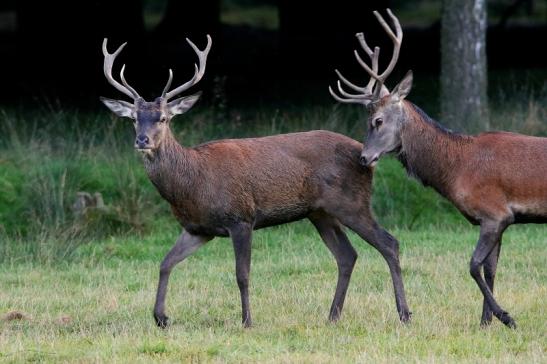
(378, 122)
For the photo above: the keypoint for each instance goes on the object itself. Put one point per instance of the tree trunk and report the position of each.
(464, 102)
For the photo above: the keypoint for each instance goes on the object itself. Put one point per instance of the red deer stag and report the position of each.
(231, 187)
(494, 179)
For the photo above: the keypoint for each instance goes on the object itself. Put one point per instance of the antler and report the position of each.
(198, 73)
(108, 63)
(375, 87)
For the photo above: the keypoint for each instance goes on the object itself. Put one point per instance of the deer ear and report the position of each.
(182, 104)
(119, 107)
(403, 88)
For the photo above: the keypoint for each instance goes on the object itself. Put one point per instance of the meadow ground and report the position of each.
(79, 288)
(97, 308)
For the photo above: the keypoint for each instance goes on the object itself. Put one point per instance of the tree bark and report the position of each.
(464, 102)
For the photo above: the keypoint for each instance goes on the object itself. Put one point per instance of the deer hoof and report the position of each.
(507, 320)
(162, 321)
(486, 322)
(405, 317)
(486, 319)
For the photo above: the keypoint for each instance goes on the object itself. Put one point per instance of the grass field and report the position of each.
(98, 307)
(76, 289)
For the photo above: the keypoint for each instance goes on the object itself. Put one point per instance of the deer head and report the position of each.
(386, 113)
(152, 118)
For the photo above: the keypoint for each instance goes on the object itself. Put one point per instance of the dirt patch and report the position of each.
(64, 320)
(14, 315)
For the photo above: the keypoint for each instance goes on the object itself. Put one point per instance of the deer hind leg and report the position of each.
(241, 236)
(369, 230)
(489, 239)
(184, 247)
(490, 266)
(339, 245)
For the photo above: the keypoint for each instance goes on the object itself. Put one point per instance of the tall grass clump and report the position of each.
(521, 109)
(50, 156)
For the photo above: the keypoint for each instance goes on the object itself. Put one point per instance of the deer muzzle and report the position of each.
(142, 142)
(368, 160)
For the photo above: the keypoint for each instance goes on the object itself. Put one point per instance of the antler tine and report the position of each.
(366, 92)
(347, 94)
(375, 87)
(131, 89)
(348, 83)
(168, 85)
(199, 71)
(347, 101)
(365, 66)
(396, 39)
(375, 57)
(107, 68)
(364, 45)
(380, 89)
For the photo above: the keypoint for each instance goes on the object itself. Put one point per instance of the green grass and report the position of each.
(98, 307)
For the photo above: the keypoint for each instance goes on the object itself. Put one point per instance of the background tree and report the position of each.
(464, 102)
(191, 19)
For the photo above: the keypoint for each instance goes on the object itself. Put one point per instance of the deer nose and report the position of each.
(142, 141)
(364, 162)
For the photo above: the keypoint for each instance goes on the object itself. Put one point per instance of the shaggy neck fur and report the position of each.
(429, 152)
(173, 169)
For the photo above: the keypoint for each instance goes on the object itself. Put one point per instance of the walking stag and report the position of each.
(232, 187)
(494, 179)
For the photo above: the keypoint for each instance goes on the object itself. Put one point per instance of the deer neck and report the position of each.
(172, 168)
(429, 152)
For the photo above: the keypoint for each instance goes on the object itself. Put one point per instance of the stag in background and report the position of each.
(232, 187)
(494, 179)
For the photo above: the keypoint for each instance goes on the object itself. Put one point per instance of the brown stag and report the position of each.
(494, 179)
(232, 187)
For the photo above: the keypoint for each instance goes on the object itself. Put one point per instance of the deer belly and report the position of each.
(194, 225)
(280, 215)
(530, 212)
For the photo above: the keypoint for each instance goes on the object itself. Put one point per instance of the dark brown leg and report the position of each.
(490, 266)
(490, 236)
(388, 246)
(184, 247)
(241, 238)
(339, 245)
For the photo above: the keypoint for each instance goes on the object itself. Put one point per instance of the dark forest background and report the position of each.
(264, 51)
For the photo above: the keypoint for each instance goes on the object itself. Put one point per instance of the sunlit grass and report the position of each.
(98, 308)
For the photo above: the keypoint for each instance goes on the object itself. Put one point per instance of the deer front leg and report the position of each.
(490, 236)
(186, 245)
(241, 236)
